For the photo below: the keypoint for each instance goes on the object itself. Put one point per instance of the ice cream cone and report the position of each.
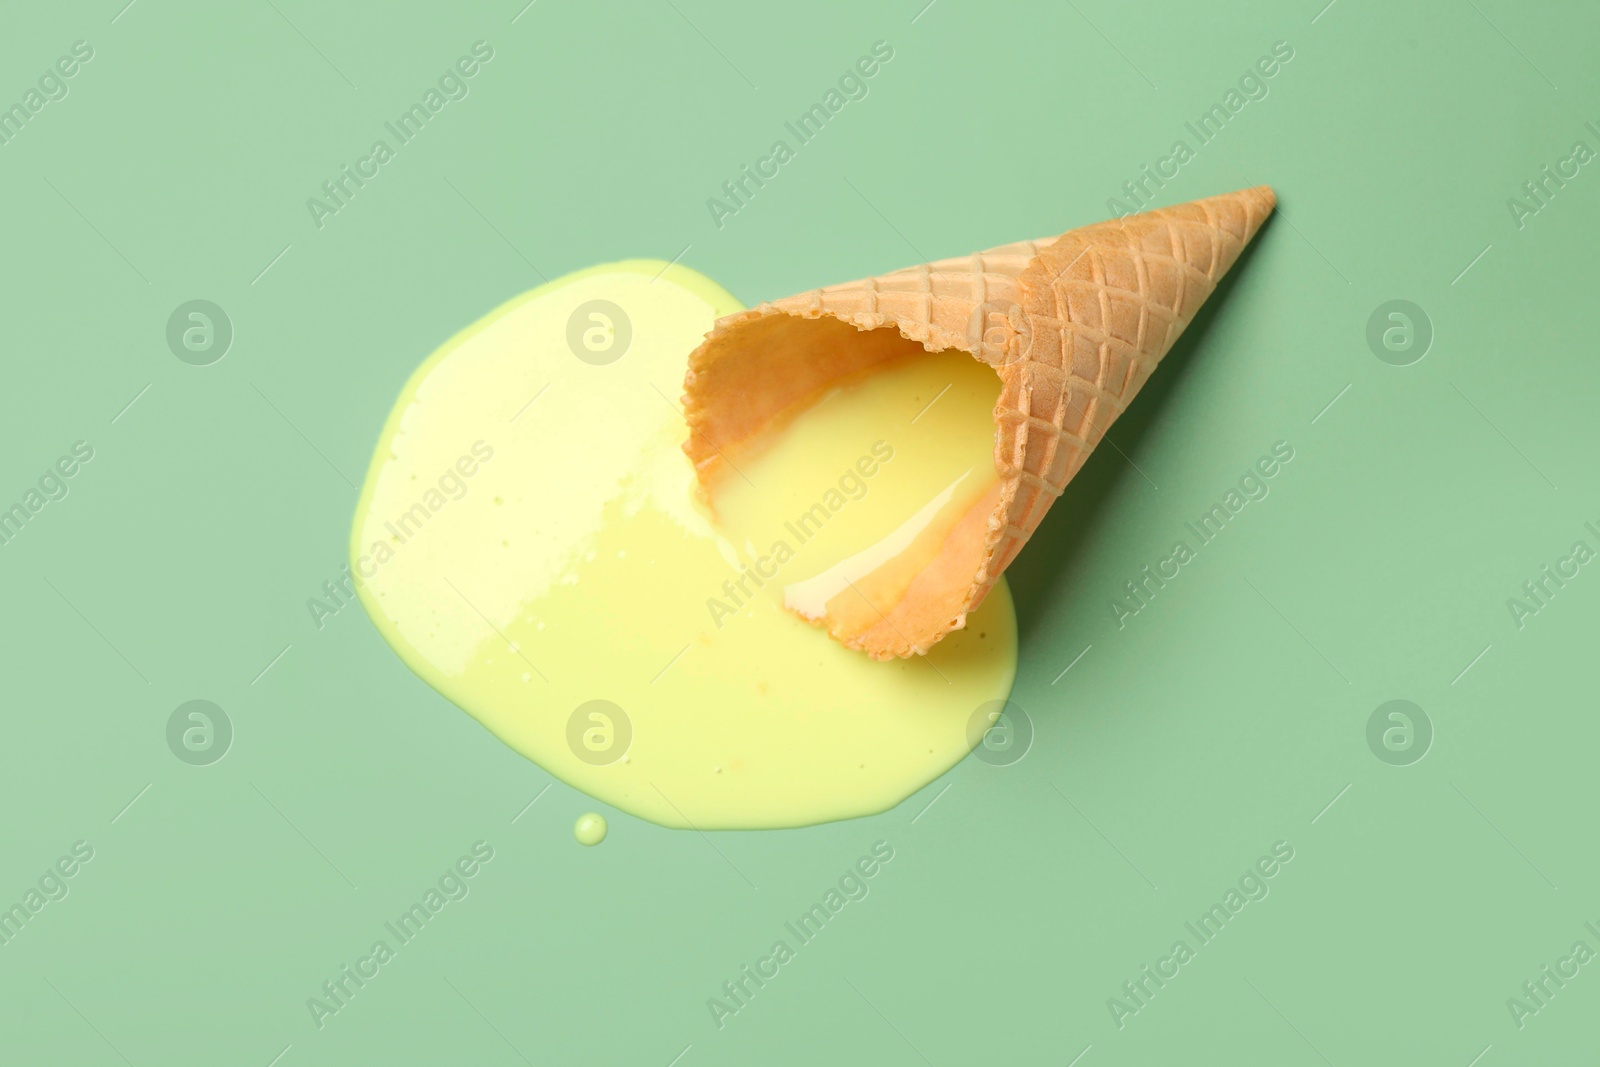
(1073, 325)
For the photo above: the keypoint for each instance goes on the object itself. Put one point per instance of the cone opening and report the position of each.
(900, 555)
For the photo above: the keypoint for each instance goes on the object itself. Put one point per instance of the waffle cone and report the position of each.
(1073, 325)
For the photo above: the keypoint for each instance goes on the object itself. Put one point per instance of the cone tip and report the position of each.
(1263, 194)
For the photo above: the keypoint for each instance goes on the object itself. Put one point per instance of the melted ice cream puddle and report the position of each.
(529, 543)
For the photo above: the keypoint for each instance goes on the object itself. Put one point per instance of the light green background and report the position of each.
(1225, 717)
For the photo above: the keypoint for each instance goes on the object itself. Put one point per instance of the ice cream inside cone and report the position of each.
(1071, 327)
(866, 493)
